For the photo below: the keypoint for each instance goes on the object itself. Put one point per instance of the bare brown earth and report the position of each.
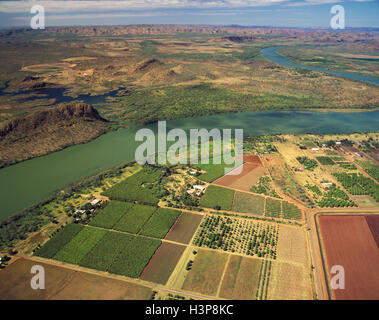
(49, 130)
(64, 284)
(184, 228)
(373, 224)
(252, 170)
(347, 241)
(162, 263)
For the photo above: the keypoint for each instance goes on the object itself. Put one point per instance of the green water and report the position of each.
(31, 181)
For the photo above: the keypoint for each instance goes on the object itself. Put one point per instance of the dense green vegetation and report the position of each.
(358, 184)
(335, 197)
(109, 216)
(160, 223)
(309, 164)
(217, 198)
(135, 218)
(104, 253)
(325, 160)
(133, 259)
(59, 240)
(80, 245)
(143, 186)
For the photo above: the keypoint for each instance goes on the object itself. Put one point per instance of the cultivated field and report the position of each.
(162, 263)
(248, 203)
(241, 278)
(289, 282)
(65, 284)
(184, 228)
(206, 272)
(347, 240)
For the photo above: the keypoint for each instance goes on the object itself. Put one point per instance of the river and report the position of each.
(31, 181)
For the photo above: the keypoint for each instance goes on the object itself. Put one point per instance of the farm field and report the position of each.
(292, 245)
(241, 278)
(162, 263)
(252, 170)
(64, 236)
(347, 240)
(184, 228)
(248, 203)
(206, 272)
(289, 281)
(160, 223)
(109, 216)
(80, 245)
(142, 187)
(217, 197)
(135, 218)
(105, 252)
(132, 260)
(238, 235)
(65, 284)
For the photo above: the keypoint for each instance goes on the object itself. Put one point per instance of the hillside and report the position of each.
(49, 130)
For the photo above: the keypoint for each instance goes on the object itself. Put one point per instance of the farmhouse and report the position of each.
(326, 184)
(79, 212)
(95, 202)
(357, 154)
(315, 149)
(197, 187)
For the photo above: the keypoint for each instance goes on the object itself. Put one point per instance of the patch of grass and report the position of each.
(217, 198)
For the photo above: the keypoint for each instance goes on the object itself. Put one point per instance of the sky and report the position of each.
(275, 13)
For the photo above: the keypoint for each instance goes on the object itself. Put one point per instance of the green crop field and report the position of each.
(133, 259)
(58, 241)
(248, 203)
(109, 216)
(104, 253)
(135, 218)
(290, 211)
(80, 245)
(273, 208)
(160, 223)
(325, 160)
(217, 198)
(142, 186)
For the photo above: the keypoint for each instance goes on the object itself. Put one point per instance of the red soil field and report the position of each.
(184, 228)
(162, 263)
(252, 170)
(373, 224)
(348, 241)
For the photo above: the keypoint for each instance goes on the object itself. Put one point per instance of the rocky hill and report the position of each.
(49, 130)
